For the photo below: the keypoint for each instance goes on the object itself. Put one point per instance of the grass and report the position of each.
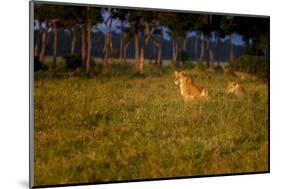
(123, 126)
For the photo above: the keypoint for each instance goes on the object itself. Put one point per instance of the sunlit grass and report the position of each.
(124, 127)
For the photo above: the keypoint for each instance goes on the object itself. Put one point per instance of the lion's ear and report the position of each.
(183, 73)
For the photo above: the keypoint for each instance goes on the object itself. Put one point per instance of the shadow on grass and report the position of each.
(126, 70)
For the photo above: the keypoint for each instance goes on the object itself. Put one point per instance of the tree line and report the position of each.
(143, 26)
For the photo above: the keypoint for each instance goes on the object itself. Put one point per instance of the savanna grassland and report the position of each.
(125, 126)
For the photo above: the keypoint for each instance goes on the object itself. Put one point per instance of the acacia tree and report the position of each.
(151, 21)
(110, 12)
(179, 25)
(142, 26)
(196, 45)
(174, 29)
(41, 14)
(93, 18)
(89, 17)
(70, 19)
(157, 43)
(51, 14)
(254, 32)
(229, 28)
(54, 23)
(135, 21)
(128, 36)
(218, 34)
(204, 27)
(122, 16)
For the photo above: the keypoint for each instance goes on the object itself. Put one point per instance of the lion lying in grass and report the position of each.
(240, 75)
(189, 90)
(245, 76)
(235, 88)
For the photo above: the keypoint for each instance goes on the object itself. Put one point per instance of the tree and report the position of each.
(151, 21)
(175, 30)
(107, 35)
(89, 17)
(218, 34)
(204, 27)
(254, 32)
(41, 14)
(229, 27)
(70, 19)
(122, 16)
(179, 25)
(51, 15)
(157, 43)
(135, 19)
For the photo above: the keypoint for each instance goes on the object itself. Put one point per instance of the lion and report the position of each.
(235, 88)
(245, 76)
(239, 75)
(188, 89)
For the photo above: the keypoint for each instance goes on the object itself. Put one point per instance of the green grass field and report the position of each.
(124, 127)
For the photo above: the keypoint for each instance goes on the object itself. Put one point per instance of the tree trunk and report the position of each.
(121, 57)
(202, 49)
(107, 45)
(211, 54)
(106, 52)
(158, 57)
(247, 46)
(141, 65)
(83, 47)
(185, 45)
(43, 45)
(38, 42)
(217, 54)
(155, 48)
(55, 45)
(175, 51)
(89, 47)
(155, 52)
(208, 51)
(136, 41)
(231, 56)
(73, 40)
(125, 52)
(196, 47)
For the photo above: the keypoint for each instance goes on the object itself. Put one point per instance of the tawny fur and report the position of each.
(188, 89)
(235, 88)
(245, 76)
(239, 75)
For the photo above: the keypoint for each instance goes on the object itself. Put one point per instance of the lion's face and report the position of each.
(234, 87)
(231, 86)
(180, 77)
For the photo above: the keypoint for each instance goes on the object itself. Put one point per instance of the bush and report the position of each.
(217, 68)
(257, 65)
(73, 61)
(200, 65)
(38, 65)
(187, 62)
